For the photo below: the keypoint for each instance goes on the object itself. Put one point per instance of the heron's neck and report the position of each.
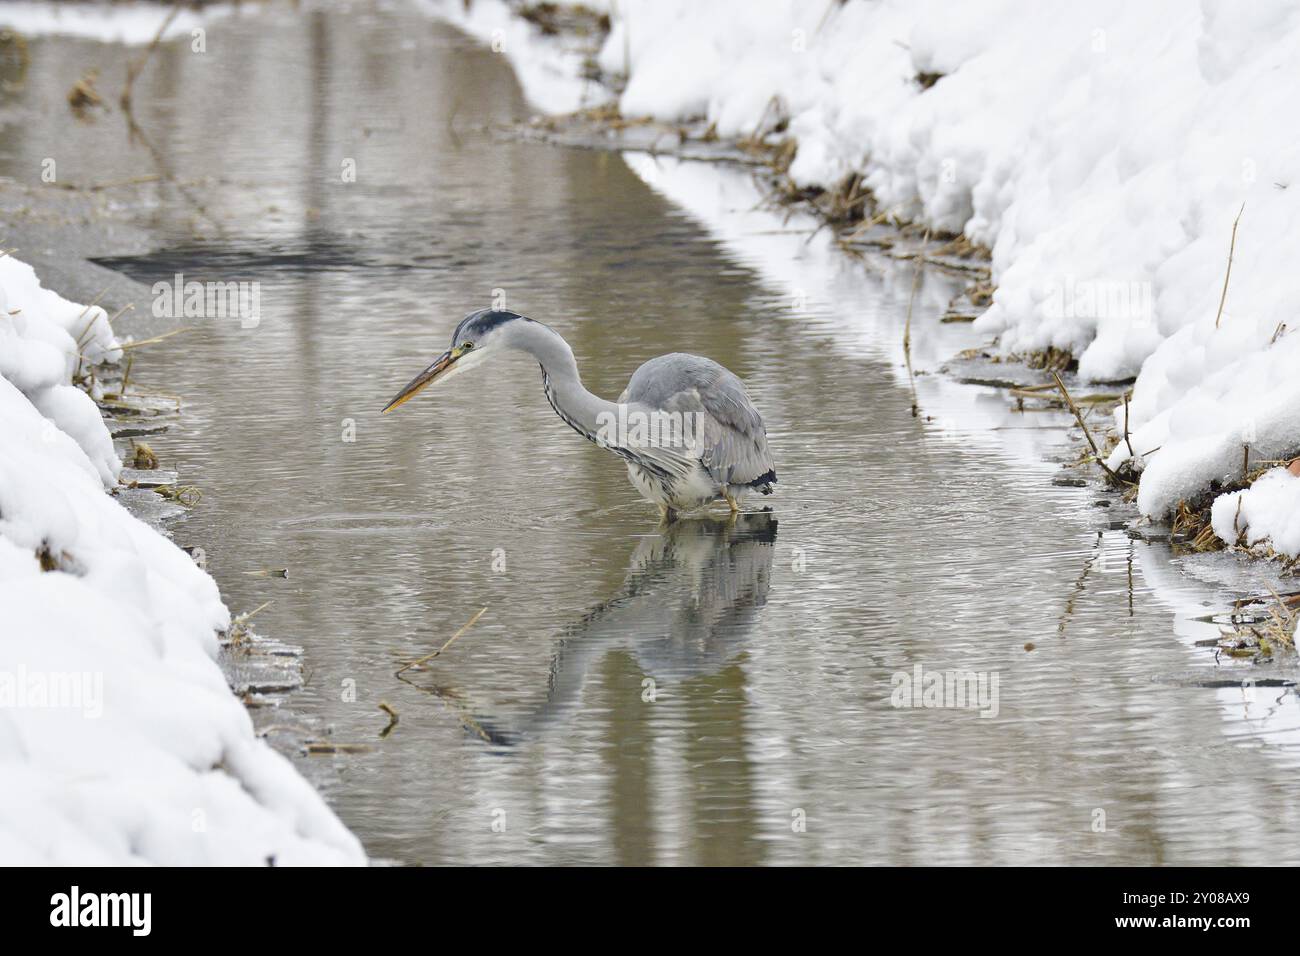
(564, 389)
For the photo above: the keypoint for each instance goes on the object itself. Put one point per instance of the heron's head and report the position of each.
(479, 335)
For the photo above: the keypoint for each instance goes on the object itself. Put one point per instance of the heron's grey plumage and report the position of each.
(725, 457)
(734, 446)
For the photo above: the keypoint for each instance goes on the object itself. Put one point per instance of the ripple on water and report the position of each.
(770, 646)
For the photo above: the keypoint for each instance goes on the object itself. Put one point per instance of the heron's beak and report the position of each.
(444, 361)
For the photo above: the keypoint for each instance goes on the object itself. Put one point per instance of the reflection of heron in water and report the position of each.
(691, 596)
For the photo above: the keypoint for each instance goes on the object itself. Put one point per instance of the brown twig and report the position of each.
(393, 718)
(1228, 274)
(97, 187)
(916, 282)
(1131, 452)
(156, 339)
(1078, 417)
(134, 67)
(90, 305)
(428, 657)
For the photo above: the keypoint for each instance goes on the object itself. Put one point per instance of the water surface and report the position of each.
(716, 693)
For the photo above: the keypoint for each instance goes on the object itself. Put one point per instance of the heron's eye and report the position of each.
(467, 345)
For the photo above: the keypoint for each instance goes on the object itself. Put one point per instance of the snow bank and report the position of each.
(119, 739)
(110, 23)
(1268, 512)
(1102, 151)
(43, 339)
(1214, 404)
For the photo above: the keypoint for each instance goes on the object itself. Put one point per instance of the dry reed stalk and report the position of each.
(1228, 274)
(1078, 417)
(428, 657)
(916, 283)
(134, 68)
(156, 339)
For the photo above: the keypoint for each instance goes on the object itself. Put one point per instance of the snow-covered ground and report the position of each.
(120, 741)
(131, 23)
(1267, 511)
(1102, 152)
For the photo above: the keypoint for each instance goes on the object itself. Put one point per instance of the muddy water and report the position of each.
(715, 693)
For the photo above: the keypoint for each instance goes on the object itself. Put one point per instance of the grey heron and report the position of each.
(684, 424)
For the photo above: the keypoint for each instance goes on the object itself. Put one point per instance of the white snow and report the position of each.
(130, 23)
(1101, 150)
(1266, 512)
(120, 741)
(43, 339)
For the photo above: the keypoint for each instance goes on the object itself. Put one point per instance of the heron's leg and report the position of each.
(732, 502)
(666, 515)
(729, 522)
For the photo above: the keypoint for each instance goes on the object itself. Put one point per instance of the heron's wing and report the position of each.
(734, 441)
